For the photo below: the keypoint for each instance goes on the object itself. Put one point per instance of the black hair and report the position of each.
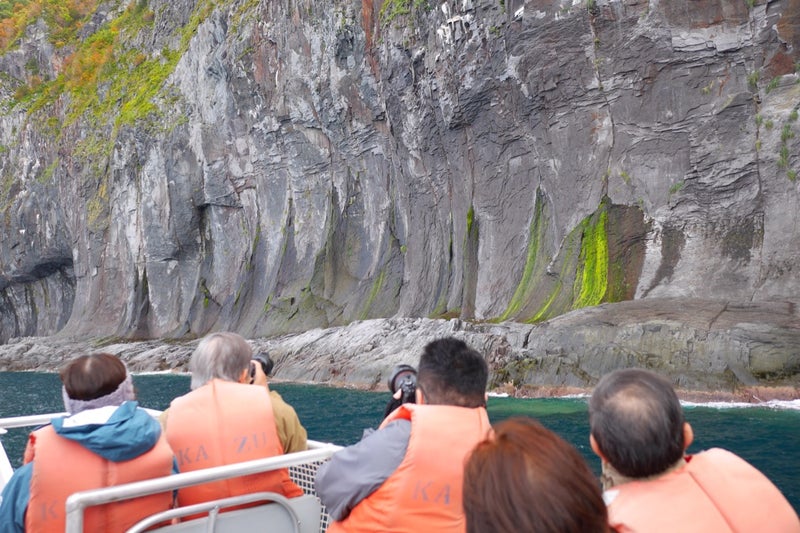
(637, 420)
(452, 373)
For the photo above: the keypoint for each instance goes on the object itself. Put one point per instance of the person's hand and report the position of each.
(394, 403)
(257, 375)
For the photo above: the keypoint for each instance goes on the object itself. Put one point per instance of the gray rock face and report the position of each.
(271, 167)
(699, 345)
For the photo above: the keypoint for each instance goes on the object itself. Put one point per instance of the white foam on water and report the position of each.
(787, 405)
(161, 373)
(783, 405)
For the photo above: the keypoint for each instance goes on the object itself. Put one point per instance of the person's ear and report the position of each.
(688, 435)
(244, 377)
(418, 396)
(596, 448)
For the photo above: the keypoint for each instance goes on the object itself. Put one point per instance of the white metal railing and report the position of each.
(213, 508)
(5, 466)
(18, 422)
(78, 502)
(28, 421)
(301, 465)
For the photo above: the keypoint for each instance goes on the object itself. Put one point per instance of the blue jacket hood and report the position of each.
(128, 433)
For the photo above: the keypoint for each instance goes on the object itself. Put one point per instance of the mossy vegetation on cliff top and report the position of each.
(391, 9)
(63, 18)
(99, 77)
(109, 81)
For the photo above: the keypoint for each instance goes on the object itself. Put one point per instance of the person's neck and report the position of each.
(611, 478)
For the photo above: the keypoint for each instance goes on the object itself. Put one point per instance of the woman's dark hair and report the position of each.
(637, 421)
(526, 478)
(92, 376)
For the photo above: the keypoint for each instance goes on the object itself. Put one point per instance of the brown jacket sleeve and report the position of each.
(291, 432)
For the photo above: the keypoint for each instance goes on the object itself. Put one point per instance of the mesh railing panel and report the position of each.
(303, 475)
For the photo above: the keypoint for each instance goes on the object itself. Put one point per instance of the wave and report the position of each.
(783, 405)
(160, 373)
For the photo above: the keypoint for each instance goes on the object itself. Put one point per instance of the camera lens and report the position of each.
(399, 374)
(265, 361)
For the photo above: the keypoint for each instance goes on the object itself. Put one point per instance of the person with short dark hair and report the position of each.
(230, 416)
(524, 477)
(639, 433)
(407, 475)
(105, 440)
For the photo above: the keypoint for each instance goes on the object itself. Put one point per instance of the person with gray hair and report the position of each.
(231, 416)
(638, 430)
(222, 355)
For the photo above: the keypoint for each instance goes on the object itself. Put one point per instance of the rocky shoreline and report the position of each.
(711, 351)
(745, 395)
(750, 395)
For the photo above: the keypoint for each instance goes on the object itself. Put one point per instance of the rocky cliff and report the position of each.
(721, 351)
(170, 167)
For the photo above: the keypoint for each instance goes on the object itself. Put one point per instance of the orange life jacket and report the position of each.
(62, 466)
(222, 423)
(424, 493)
(715, 492)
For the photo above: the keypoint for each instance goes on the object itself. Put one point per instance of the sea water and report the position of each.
(767, 437)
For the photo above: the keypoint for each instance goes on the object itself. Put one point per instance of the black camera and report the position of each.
(266, 363)
(404, 378)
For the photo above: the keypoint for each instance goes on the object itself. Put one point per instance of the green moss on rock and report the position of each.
(376, 288)
(592, 279)
(588, 269)
(526, 285)
(391, 9)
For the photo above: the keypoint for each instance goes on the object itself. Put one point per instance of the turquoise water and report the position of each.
(767, 438)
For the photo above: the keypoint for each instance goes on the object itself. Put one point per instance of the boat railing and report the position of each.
(13, 422)
(302, 468)
(300, 514)
(18, 422)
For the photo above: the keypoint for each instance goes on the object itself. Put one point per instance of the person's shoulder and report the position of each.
(398, 424)
(395, 430)
(277, 400)
(389, 440)
(716, 456)
(718, 466)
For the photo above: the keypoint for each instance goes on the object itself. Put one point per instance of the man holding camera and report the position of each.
(292, 434)
(407, 475)
(231, 416)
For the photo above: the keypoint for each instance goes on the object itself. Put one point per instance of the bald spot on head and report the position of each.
(637, 421)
